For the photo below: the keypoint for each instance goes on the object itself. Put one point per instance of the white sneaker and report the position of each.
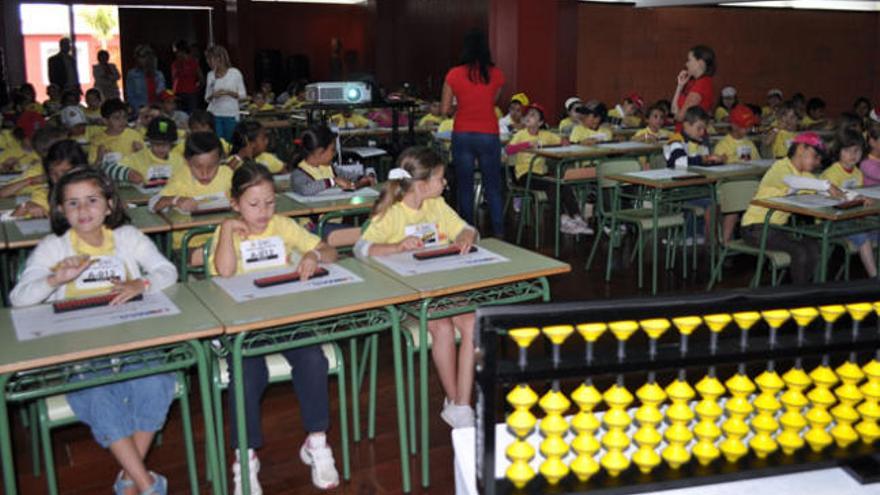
(583, 226)
(315, 453)
(253, 471)
(456, 415)
(567, 225)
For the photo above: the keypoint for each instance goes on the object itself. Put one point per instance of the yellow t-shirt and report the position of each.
(842, 178)
(26, 159)
(772, 186)
(355, 121)
(430, 120)
(446, 125)
(524, 159)
(643, 134)
(782, 142)
(282, 236)
(566, 124)
(183, 184)
(122, 143)
(7, 140)
(736, 150)
(808, 122)
(270, 161)
(721, 113)
(292, 102)
(151, 167)
(321, 172)
(97, 278)
(580, 133)
(39, 193)
(400, 221)
(625, 120)
(265, 107)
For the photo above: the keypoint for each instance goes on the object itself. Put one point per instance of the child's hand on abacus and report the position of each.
(125, 291)
(409, 243)
(68, 269)
(465, 240)
(307, 265)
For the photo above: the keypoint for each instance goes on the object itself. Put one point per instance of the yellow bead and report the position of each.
(858, 311)
(520, 451)
(679, 414)
(794, 400)
(554, 402)
(738, 408)
(558, 333)
(868, 429)
(876, 306)
(554, 470)
(745, 319)
(522, 396)
(520, 473)
(776, 317)
(616, 420)
(687, 324)
(521, 422)
(717, 322)
(591, 331)
(655, 327)
(584, 467)
(524, 336)
(804, 316)
(623, 329)
(831, 312)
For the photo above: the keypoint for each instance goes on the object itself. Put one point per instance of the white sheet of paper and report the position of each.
(148, 190)
(868, 192)
(333, 194)
(807, 200)
(624, 145)
(729, 167)
(365, 151)
(6, 178)
(404, 263)
(33, 227)
(241, 288)
(571, 148)
(41, 321)
(660, 174)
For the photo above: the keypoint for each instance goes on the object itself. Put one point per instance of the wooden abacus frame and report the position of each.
(498, 371)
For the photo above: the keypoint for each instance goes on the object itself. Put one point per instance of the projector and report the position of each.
(338, 92)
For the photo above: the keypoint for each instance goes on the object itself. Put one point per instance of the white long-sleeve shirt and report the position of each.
(225, 106)
(139, 254)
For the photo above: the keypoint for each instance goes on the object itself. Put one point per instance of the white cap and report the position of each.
(775, 92)
(728, 92)
(72, 116)
(571, 101)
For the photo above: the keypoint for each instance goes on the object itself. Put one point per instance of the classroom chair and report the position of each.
(734, 197)
(184, 269)
(609, 218)
(534, 202)
(54, 412)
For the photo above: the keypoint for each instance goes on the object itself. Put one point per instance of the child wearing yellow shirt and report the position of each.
(790, 175)
(591, 130)
(259, 239)
(815, 117)
(350, 120)
(155, 164)
(410, 214)
(771, 109)
(845, 174)
(434, 117)
(780, 137)
(93, 107)
(725, 104)
(737, 147)
(628, 112)
(654, 132)
(249, 142)
(117, 139)
(571, 117)
(20, 154)
(63, 156)
(314, 171)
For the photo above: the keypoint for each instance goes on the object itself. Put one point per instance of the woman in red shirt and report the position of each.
(476, 84)
(695, 83)
(186, 76)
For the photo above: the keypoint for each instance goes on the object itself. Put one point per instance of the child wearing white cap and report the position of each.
(727, 102)
(568, 123)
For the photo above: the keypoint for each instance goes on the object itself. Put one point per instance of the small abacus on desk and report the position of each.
(788, 380)
(88, 302)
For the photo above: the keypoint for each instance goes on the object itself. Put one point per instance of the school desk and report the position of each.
(41, 367)
(131, 194)
(326, 109)
(566, 163)
(667, 191)
(454, 292)
(823, 223)
(314, 317)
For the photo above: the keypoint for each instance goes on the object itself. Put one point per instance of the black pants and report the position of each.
(569, 204)
(309, 374)
(804, 252)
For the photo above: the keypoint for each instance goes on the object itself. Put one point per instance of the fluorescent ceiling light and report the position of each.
(864, 6)
(344, 2)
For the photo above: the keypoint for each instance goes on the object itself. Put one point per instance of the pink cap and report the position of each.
(810, 139)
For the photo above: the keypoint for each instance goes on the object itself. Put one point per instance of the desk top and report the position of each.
(141, 217)
(193, 322)
(597, 151)
(755, 168)
(661, 183)
(523, 265)
(375, 291)
(131, 194)
(823, 212)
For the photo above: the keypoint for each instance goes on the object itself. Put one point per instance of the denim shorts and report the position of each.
(118, 410)
(858, 239)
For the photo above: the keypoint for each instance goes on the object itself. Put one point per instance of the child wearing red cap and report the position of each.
(533, 135)
(628, 112)
(737, 147)
(787, 176)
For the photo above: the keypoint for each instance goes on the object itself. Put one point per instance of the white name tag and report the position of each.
(744, 152)
(112, 158)
(262, 253)
(849, 184)
(427, 232)
(101, 274)
(158, 172)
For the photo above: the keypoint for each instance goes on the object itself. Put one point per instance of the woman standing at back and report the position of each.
(223, 91)
(476, 84)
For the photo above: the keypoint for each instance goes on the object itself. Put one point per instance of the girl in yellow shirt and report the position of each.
(314, 171)
(259, 239)
(249, 142)
(62, 157)
(410, 214)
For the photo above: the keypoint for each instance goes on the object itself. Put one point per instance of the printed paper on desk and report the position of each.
(333, 194)
(259, 254)
(660, 174)
(6, 216)
(33, 227)
(868, 192)
(41, 321)
(622, 146)
(729, 167)
(241, 288)
(211, 201)
(350, 169)
(572, 148)
(404, 263)
(807, 200)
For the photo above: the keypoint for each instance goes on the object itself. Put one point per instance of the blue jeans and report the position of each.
(468, 148)
(224, 127)
(118, 410)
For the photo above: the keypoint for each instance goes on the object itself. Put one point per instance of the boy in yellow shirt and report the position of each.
(654, 132)
(512, 122)
(780, 137)
(770, 110)
(117, 139)
(728, 101)
(155, 164)
(790, 175)
(433, 118)
(815, 117)
(350, 120)
(93, 107)
(591, 130)
(628, 112)
(736, 146)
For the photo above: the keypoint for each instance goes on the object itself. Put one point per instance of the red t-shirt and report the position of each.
(476, 101)
(703, 87)
(185, 74)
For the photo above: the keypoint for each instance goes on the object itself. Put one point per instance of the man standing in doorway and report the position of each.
(62, 68)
